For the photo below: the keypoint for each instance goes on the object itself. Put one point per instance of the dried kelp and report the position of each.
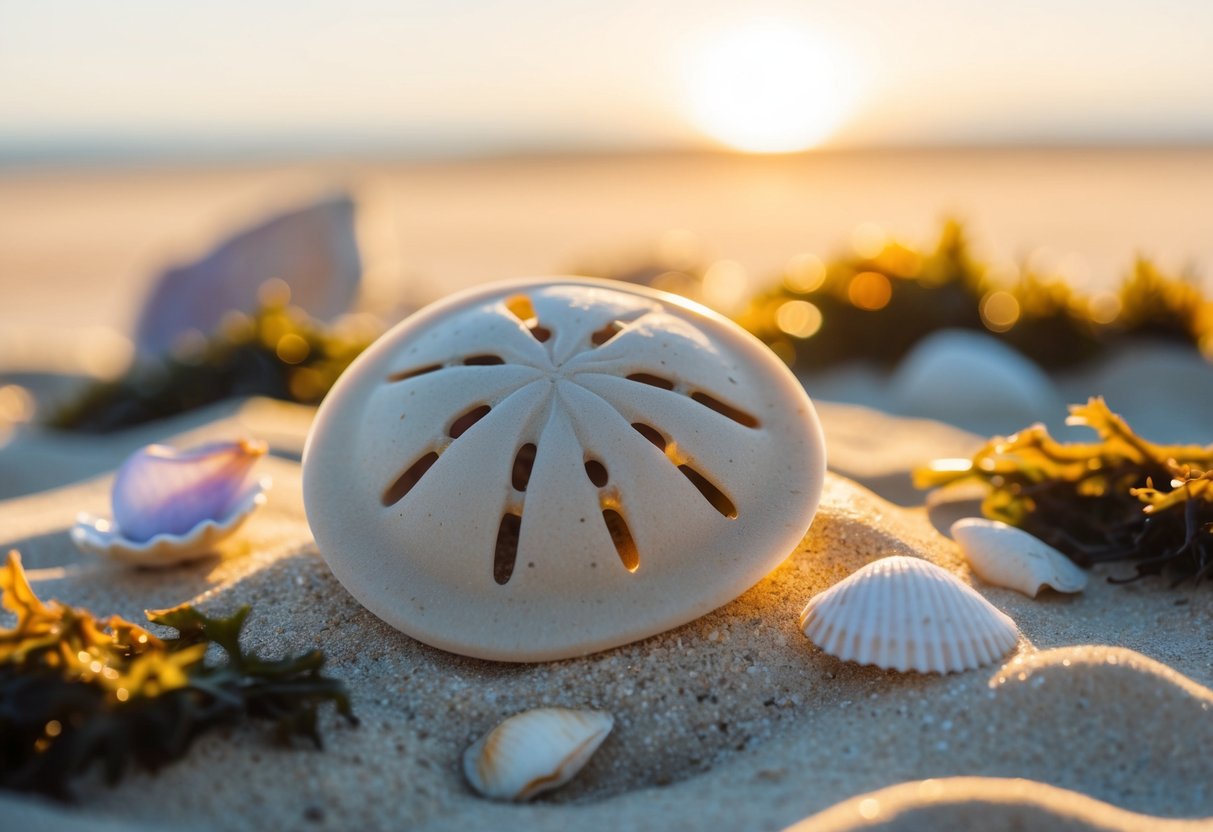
(77, 690)
(1119, 498)
(279, 352)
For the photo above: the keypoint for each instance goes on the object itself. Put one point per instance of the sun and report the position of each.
(766, 86)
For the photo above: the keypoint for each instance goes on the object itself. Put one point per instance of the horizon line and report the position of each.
(106, 152)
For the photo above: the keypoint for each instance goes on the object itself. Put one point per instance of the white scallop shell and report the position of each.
(534, 751)
(1009, 557)
(170, 505)
(903, 613)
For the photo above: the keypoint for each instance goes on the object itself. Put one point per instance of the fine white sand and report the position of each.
(732, 721)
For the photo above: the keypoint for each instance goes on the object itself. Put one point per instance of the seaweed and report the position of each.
(876, 303)
(1121, 498)
(876, 307)
(1156, 305)
(77, 690)
(872, 306)
(278, 352)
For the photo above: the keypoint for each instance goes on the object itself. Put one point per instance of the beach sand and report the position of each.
(1099, 720)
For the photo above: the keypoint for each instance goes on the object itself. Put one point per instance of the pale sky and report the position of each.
(453, 77)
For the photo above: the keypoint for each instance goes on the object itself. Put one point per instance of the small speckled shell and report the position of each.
(1005, 556)
(544, 469)
(903, 613)
(534, 752)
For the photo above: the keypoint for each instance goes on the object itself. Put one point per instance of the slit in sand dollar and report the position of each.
(1008, 557)
(903, 613)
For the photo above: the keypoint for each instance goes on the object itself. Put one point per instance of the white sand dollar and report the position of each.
(1009, 557)
(903, 613)
(547, 468)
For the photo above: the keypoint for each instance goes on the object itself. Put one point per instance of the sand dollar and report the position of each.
(547, 468)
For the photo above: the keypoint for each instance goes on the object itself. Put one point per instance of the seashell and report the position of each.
(974, 381)
(534, 751)
(903, 613)
(1005, 556)
(172, 505)
(161, 490)
(1137, 379)
(542, 469)
(312, 249)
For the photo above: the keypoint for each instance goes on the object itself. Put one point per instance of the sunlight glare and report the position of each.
(766, 87)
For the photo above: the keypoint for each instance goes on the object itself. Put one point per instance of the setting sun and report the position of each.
(766, 87)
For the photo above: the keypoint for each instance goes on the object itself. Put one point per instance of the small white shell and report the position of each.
(534, 751)
(903, 613)
(170, 506)
(1009, 557)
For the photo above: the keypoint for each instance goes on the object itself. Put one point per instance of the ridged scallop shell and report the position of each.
(1005, 556)
(172, 505)
(903, 613)
(534, 751)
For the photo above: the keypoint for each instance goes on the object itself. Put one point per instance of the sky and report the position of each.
(489, 77)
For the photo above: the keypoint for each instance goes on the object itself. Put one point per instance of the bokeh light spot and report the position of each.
(274, 292)
(999, 311)
(1104, 307)
(868, 240)
(291, 348)
(798, 318)
(804, 273)
(16, 404)
(725, 285)
(870, 291)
